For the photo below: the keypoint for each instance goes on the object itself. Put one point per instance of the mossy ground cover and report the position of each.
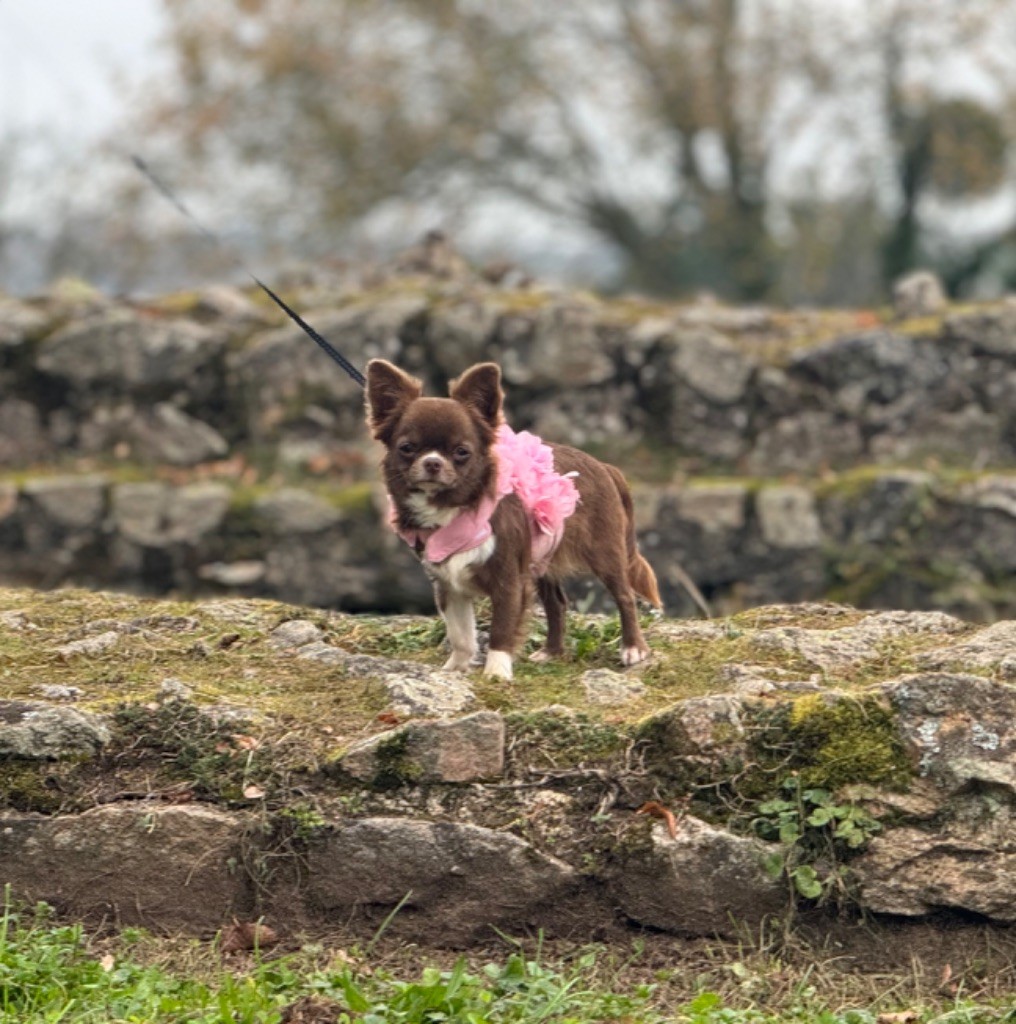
(221, 651)
(260, 719)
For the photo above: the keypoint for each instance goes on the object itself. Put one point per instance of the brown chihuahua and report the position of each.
(488, 510)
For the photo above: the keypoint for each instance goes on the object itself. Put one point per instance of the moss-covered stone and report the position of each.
(395, 766)
(30, 786)
(841, 739)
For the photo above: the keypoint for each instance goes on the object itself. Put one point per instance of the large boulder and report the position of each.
(286, 386)
(453, 883)
(864, 372)
(695, 382)
(701, 881)
(158, 515)
(22, 437)
(169, 868)
(960, 728)
(64, 506)
(913, 872)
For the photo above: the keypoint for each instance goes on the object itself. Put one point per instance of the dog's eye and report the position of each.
(407, 447)
(461, 453)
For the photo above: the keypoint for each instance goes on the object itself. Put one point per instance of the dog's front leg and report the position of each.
(508, 606)
(460, 624)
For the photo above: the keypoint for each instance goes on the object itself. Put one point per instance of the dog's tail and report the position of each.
(640, 572)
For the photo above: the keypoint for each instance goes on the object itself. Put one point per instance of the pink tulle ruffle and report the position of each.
(526, 467)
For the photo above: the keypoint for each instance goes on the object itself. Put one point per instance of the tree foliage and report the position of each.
(701, 140)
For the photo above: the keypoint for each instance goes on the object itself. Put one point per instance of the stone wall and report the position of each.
(186, 379)
(888, 539)
(201, 444)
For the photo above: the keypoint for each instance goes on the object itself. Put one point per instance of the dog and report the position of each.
(491, 512)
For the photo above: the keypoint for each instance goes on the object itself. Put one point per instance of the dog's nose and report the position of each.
(432, 465)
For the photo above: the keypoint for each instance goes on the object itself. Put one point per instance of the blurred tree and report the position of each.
(649, 123)
(676, 131)
(10, 146)
(945, 151)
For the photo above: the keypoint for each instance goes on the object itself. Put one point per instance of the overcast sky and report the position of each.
(58, 60)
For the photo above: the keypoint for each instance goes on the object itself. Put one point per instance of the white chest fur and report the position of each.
(428, 516)
(456, 571)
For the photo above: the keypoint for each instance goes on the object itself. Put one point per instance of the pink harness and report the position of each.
(525, 467)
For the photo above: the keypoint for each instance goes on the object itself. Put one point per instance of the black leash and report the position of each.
(324, 344)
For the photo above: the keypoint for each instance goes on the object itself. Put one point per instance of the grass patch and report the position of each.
(49, 973)
(392, 636)
(545, 740)
(56, 973)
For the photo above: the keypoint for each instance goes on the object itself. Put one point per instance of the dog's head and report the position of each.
(436, 448)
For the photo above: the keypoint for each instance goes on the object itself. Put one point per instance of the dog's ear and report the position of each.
(388, 392)
(479, 388)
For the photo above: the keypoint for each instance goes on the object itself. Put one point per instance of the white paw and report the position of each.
(633, 655)
(458, 662)
(499, 665)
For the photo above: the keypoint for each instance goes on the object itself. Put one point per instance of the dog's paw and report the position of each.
(543, 655)
(498, 665)
(633, 655)
(458, 662)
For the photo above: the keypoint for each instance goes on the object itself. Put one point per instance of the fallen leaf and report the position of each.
(655, 810)
(253, 792)
(388, 718)
(246, 742)
(108, 962)
(247, 935)
(903, 1017)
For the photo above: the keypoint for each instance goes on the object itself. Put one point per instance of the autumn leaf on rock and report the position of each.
(656, 810)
